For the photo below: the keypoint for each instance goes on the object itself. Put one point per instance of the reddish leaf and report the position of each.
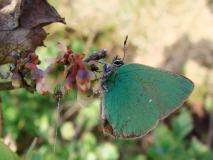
(51, 78)
(69, 71)
(70, 80)
(83, 76)
(37, 74)
(83, 80)
(30, 66)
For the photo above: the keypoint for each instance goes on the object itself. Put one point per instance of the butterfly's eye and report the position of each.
(118, 62)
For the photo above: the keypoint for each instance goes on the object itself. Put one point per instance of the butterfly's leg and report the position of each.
(103, 86)
(93, 93)
(98, 92)
(107, 128)
(107, 72)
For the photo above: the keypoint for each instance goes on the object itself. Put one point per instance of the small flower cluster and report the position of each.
(68, 71)
(25, 71)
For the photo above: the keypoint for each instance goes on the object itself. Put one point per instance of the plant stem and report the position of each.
(6, 86)
(1, 119)
(210, 134)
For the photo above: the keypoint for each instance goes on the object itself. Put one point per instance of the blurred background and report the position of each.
(175, 35)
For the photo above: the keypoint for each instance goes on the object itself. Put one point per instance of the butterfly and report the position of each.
(136, 97)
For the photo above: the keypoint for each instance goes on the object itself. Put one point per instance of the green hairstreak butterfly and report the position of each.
(137, 96)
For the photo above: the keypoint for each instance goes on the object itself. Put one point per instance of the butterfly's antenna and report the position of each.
(125, 47)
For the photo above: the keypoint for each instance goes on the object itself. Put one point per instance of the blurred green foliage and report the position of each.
(173, 143)
(29, 115)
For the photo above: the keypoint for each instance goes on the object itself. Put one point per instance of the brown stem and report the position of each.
(210, 134)
(1, 119)
(6, 86)
(89, 42)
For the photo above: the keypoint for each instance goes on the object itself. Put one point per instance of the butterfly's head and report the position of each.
(117, 62)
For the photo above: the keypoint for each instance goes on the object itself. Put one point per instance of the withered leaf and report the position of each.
(21, 23)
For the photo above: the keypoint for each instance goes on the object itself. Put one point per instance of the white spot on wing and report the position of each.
(150, 100)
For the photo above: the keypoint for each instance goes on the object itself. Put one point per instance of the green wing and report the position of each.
(138, 96)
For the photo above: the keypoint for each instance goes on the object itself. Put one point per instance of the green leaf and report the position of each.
(67, 130)
(198, 146)
(161, 139)
(198, 150)
(88, 115)
(6, 153)
(35, 156)
(107, 151)
(139, 157)
(78, 46)
(182, 125)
